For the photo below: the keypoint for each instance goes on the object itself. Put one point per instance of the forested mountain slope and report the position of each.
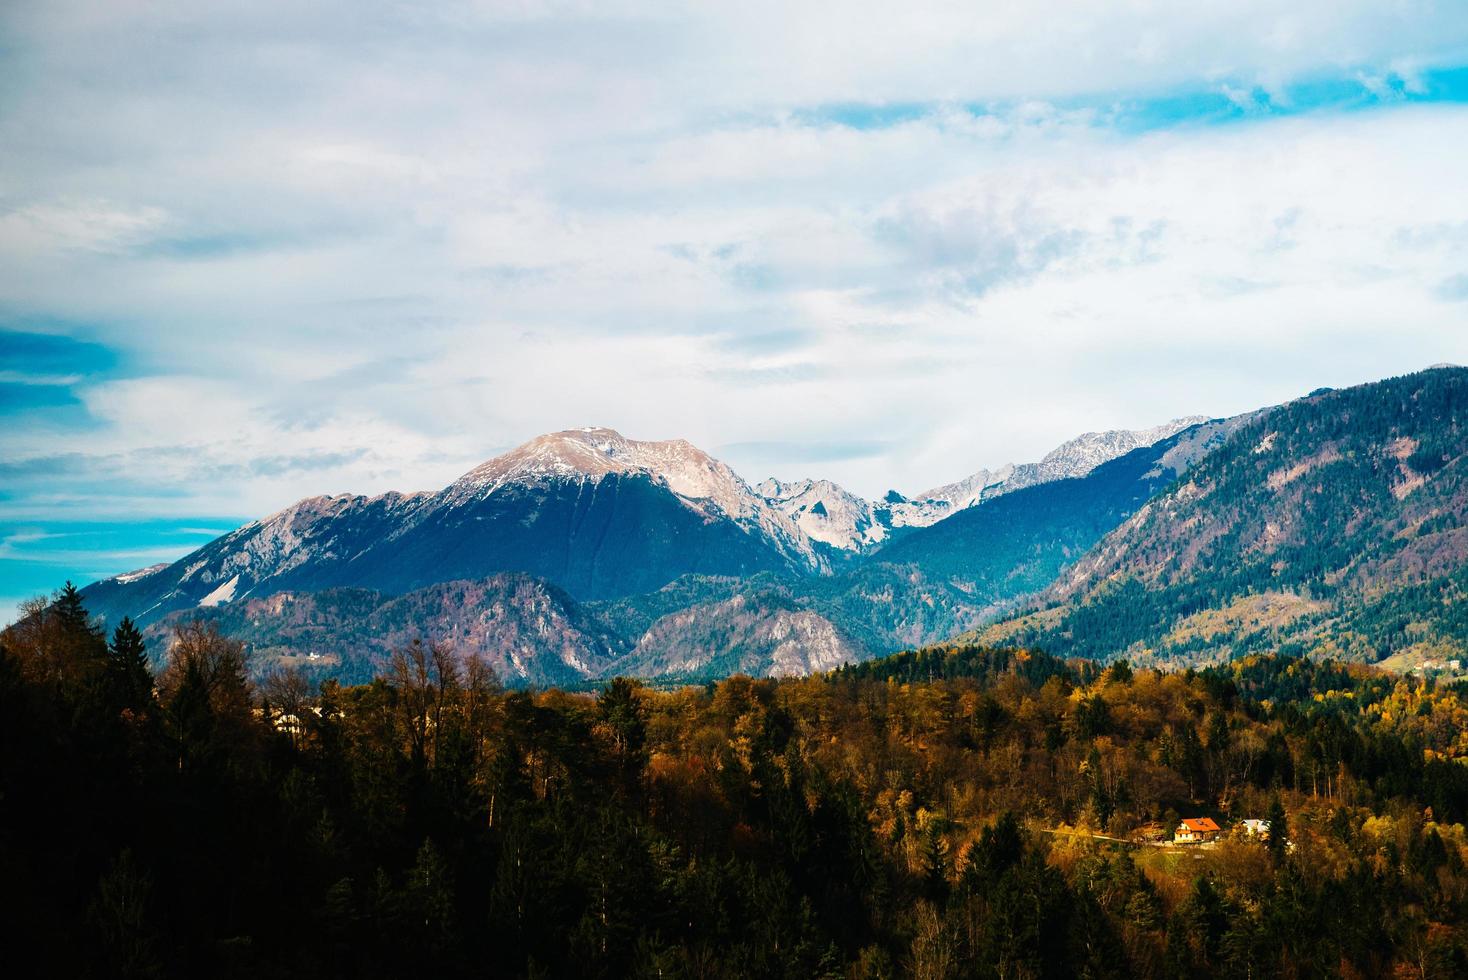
(528, 631)
(531, 633)
(1334, 524)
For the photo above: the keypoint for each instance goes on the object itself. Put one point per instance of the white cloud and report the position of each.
(356, 248)
(62, 225)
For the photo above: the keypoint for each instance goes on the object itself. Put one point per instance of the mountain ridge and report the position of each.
(589, 509)
(1335, 524)
(829, 513)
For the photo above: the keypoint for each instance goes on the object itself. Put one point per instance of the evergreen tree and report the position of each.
(1000, 847)
(120, 919)
(1205, 919)
(192, 718)
(935, 867)
(620, 709)
(1279, 828)
(431, 903)
(69, 609)
(129, 676)
(74, 647)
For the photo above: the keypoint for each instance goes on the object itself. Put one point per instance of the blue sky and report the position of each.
(255, 251)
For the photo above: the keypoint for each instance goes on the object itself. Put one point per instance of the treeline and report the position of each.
(935, 814)
(981, 664)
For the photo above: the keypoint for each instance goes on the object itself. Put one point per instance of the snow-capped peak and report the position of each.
(592, 453)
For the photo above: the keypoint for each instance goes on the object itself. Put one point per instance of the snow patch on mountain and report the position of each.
(141, 573)
(590, 454)
(826, 512)
(224, 593)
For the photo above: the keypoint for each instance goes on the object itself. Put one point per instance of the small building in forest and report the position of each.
(1254, 827)
(1150, 833)
(1196, 830)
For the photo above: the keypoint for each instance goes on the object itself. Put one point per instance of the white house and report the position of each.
(1195, 830)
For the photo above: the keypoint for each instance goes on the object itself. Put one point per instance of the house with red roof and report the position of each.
(1196, 830)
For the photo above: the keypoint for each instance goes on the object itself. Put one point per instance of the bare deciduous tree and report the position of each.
(424, 675)
(218, 662)
(286, 695)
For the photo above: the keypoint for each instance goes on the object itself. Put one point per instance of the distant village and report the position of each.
(1432, 667)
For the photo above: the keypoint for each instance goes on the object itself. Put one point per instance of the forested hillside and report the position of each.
(949, 812)
(1335, 525)
(528, 630)
(698, 627)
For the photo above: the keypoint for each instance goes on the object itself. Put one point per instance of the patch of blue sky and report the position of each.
(18, 397)
(1220, 102)
(40, 372)
(859, 115)
(1229, 101)
(38, 557)
(1443, 85)
(43, 354)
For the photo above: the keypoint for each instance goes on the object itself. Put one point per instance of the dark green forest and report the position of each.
(951, 812)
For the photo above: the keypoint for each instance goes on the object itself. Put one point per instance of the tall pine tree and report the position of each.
(68, 607)
(129, 677)
(76, 649)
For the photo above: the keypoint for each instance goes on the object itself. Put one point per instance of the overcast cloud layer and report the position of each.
(250, 251)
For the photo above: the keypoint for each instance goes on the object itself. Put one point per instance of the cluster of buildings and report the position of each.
(1454, 666)
(1200, 830)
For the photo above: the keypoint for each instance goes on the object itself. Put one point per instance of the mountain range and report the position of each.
(583, 554)
(590, 517)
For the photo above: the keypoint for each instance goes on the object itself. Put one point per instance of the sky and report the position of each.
(252, 251)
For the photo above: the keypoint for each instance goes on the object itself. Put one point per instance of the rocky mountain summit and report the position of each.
(595, 513)
(828, 513)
